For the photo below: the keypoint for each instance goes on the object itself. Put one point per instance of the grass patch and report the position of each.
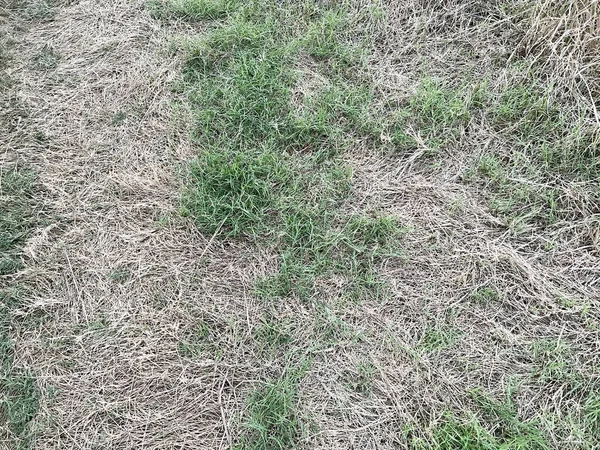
(46, 59)
(19, 398)
(361, 379)
(269, 169)
(553, 361)
(551, 144)
(440, 112)
(202, 9)
(438, 338)
(485, 295)
(456, 433)
(272, 419)
(19, 393)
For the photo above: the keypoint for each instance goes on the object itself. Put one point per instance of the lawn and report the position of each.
(262, 225)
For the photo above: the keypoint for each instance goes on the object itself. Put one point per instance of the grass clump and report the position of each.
(202, 9)
(553, 361)
(323, 39)
(236, 191)
(485, 295)
(19, 393)
(46, 59)
(438, 338)
(439, 114)
(550, 133)
(470, 434)
(549, 144)
(272, 420)
(19, 404)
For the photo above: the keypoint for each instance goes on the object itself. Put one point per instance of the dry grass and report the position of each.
(563, 38)
(144, 333)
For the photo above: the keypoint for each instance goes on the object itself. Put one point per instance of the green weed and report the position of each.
(361, 380)
(120, 274)
(235, 192)
(268, 170)
(18, 218)
(591, 415)
(273, 334)
(38, 10)
(323, 39)
(19, 401)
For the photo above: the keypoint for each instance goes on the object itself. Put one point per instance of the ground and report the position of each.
(311, 224)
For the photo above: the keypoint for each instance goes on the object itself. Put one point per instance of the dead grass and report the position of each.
(140, 331)
(562, 38)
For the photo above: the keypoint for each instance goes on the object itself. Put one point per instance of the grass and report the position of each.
(469, 434)
(322, 129)
(202, 9)
(272, 420)
(361, 379)
(485, 295)
(269, 171)
(19, 401)
(19, 392)
(18, 217)
(438, 338)
(46, 59)
(553, 361)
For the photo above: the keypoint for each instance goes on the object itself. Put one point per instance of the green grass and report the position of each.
(19, 393)
(272, 421)
(278, 100)
(550, 144)
(46, 59)
(273, 335)
(19, 398)
(485, 295)
(17, 216)
(553, 137)
(361, 379)
(496, 426)
(269, 169)
(120, 274)
(235, 192)
(437, 338)
(19, 404)
(202, 9)
(323, 39)
(553, 361)
(456, 433)
(200, 342)
(438, 112)
(39, 10)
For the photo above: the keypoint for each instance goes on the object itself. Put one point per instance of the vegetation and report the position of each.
(300, 224)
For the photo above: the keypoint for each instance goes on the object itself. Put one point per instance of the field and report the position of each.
(311, 224)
